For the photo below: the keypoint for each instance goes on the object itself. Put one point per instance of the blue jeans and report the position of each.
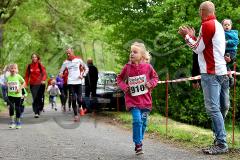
(139, 122)
(4, 92)
(216, 99)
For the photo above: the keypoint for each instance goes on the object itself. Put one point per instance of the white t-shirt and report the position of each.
(74, 72)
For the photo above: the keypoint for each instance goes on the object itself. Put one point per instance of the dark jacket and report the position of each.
(92, 76)
(195, 67)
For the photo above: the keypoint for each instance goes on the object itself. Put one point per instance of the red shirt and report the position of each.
(35, 75)
(65, 76)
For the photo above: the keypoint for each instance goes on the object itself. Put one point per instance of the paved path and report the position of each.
(54, 136)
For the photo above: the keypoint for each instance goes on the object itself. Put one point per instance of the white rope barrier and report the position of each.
(190, 78)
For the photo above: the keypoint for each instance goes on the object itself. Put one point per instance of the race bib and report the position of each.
(137, 85)
(13, 86)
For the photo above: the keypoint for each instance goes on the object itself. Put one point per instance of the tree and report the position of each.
(7, 11)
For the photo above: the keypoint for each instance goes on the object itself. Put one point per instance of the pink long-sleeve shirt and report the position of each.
(143, 101)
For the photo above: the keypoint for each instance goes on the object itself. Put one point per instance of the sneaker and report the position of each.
(36, 116)
(18, 125)
(76, 118)
(138, 149)
(216, 149)
(12, 125)
(64, 109)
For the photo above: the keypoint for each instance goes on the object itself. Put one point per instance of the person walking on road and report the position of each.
(210, 47)
(137, 79)
(36, 75)
(15, 84)
(53, 91)
(91, 85)
(73, 64)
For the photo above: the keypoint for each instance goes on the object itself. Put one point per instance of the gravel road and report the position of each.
(55, 136)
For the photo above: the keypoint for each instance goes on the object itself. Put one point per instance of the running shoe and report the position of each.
(76, 118)
(12, 125)
(138, 149)
(18, 125)
(216, 149)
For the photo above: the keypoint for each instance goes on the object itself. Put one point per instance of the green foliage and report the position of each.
(8, 9)
(48, 27)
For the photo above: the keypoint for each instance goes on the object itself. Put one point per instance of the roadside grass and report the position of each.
(2, 105)
(178, 133)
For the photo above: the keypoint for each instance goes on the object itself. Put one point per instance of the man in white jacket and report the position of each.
(77, 70)
(210, 47)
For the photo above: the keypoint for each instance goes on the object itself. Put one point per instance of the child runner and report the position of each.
(15, 84)
(232, 41)
(53, 91)
(137, 79)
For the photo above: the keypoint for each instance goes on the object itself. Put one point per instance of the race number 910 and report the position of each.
(138, 88)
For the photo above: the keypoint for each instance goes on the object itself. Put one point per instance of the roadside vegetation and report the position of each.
(179, 134)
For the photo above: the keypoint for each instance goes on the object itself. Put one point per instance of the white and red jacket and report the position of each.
(210, 47)
(74, 68)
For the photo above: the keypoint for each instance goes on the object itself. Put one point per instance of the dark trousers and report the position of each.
(38, 97)
(42, 91)
(75, 92)
(90, 102)
(67, 97)
(62, 97)
(90, 89)
(14, 104)
(22, 107)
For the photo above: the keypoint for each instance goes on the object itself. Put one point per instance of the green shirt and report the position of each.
(14, 83)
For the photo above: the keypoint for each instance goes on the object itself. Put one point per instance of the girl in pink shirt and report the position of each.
(137, 79)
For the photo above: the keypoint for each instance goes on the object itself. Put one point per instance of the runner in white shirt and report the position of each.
(77, 70)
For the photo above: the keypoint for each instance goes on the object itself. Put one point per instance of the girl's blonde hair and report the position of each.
(13, 65)
(145, 53)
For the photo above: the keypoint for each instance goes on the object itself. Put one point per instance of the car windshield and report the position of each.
(106, 78)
